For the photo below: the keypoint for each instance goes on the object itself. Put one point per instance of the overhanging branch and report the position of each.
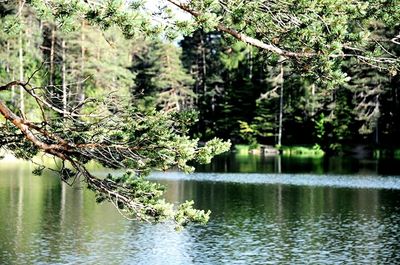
(243, 37)
(288, 54)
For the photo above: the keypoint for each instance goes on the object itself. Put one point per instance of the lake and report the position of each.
(269, 210)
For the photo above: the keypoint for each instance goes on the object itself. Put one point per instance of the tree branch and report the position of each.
(139, 197)
(288, 54)
(243, 37)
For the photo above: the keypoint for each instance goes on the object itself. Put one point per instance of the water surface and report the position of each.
(301, 164)
(261, 218)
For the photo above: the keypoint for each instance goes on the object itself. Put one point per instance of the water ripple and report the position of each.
(340, 181)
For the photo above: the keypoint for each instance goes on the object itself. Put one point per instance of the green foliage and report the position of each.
(302, 151)
(242, 149)
(124, 134)
(152, 207)
(248, 132)
(320, 126)
(38, 170)
(161, 78)
(186, 213)
(236, 55)
(210, 149)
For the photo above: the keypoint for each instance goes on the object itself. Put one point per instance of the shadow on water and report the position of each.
(315, 165)
(43, 221)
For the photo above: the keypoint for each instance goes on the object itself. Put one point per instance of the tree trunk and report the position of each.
(52, 49)
(80, 94)
(21, 57)
(13, 88)
(8, 72)
(250, 59)
(204, 63)
(64, 83)
(312, 100)
(280, 108)
(8, 59)
(377, 122)
(21, 71)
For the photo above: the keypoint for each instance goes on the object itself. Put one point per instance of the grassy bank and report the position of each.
(306, 151)
(303, 151)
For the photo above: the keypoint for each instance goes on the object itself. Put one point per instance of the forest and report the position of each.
(170, 79)
(237, 91)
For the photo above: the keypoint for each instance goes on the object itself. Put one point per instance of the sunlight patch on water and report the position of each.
(340, 181)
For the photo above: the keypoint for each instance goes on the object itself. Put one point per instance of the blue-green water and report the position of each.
(258, 218)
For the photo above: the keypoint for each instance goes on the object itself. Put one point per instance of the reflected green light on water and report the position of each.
(44, 221)
(315, 165)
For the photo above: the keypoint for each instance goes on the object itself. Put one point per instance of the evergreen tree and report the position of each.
(161, 78)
